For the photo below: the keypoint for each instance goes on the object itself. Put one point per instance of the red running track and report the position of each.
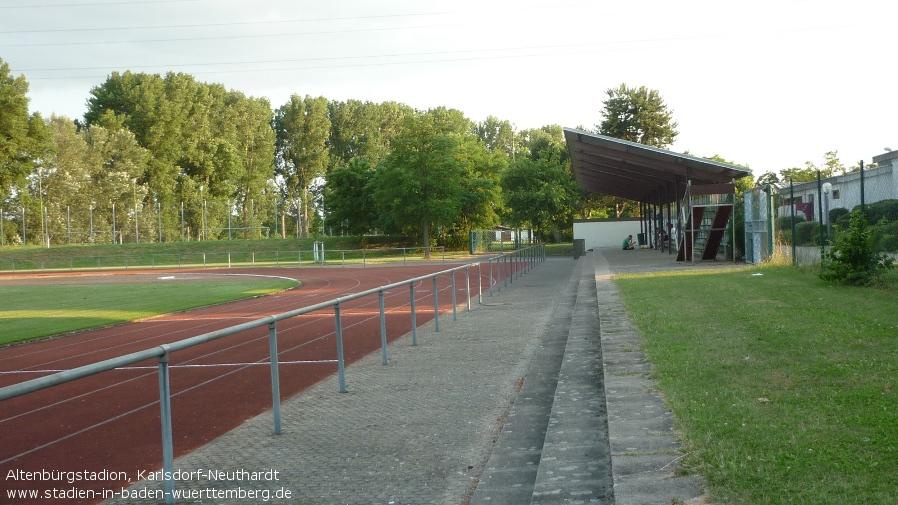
(111, 422)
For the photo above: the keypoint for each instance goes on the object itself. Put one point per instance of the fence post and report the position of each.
(275, 378)
(479, 284)
(436, 305)
(468, 284)
(383, 326)
(490, 278)
(340, 365)
(414, 316)
(168, 459)
(454, 303)
(505, 269)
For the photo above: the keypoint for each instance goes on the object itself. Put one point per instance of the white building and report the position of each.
(843, 191)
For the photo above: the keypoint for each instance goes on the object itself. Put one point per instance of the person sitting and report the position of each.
(628, 243)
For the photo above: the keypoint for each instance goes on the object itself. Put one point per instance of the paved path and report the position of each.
(506, 405)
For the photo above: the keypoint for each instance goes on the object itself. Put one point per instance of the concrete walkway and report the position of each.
(506, 405)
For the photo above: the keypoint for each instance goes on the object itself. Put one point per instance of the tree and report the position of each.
(302, 128)
(349, 197)
(362, 129)
(638, 115)
(767, 178)
(497, 135)
(539, 193)
(831, 167)
(420, 184)
(24, 138)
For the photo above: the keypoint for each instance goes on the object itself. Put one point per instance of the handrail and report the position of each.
(532, 255)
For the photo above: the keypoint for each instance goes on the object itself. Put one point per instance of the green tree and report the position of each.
(349, 197)
(24, 138)
(638, 115)
(497, 135)
(362, 129)
(420, 184)
(767, 178)
(539, 193)
(302, 129)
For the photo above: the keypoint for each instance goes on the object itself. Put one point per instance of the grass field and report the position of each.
(36, 311)
(783, 385)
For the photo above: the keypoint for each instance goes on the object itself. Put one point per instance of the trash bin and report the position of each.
(640, 237)
(579, 247)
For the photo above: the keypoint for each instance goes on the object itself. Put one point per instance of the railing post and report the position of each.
(383, 326)
(411, 287)
(479, 284)
(436, 305)
(340, 365)
(454, 299)
(275, 377)
(168, 458)
(468, 283)
(505, 269)
(490, 278)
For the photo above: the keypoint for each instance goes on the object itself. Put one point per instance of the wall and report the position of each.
(605, 232)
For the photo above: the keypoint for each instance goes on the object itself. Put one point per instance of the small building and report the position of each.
(842, 191)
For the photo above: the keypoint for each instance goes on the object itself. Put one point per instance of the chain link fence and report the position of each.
(36, 223)
(797, 221)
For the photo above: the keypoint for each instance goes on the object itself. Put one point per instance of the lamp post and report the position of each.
(91, 209)
(136, 220)
(45, 237)
(203, 198)
(297, 218)
(827, 189)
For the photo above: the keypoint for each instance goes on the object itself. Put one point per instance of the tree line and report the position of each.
(179, 158)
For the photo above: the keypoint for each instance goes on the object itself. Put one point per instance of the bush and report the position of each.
(783, 227)
(807, 233)
(852, 258)
(883, 209)
(886, 236)
(839, 215)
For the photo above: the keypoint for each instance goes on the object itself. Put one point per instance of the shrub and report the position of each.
(807, 233)
(852, 258)
(883, 209)
(783, 227)
(838, 216)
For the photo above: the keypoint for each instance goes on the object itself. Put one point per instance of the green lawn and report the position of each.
(35, 311)
(784, 385)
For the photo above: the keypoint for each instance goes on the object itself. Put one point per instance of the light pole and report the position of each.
(297, 218)
(827, 189)
(91, 209)
(45, 237)
(203, 198)
(136, 220)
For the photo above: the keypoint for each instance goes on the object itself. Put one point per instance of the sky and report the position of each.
(770, 84)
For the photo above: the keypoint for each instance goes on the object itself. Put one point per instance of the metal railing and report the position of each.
(513, 266)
